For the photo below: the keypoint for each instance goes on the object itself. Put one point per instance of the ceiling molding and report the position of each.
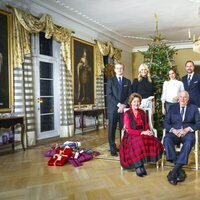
(114, 38)
(128, 35)
(188, 45)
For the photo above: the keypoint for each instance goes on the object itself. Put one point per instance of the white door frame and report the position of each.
(55, 60)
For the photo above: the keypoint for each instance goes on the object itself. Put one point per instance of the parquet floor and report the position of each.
(26, 176)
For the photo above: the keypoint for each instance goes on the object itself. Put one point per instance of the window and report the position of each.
(46, 45)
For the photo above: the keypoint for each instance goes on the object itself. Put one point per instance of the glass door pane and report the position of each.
(46, 97)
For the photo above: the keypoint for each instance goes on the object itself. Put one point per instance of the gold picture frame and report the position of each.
(83, 65)
(6, 80)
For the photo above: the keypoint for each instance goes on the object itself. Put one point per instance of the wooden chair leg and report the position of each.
(196, 160)
(163, 160)
(157, 164)
(196, 150)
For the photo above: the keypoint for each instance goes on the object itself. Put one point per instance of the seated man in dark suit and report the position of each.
(181, 122)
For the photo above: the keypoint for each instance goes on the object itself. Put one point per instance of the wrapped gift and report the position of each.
(60, 157)
(71, 144)
(79, 157)
(90, 151)
(52, 151)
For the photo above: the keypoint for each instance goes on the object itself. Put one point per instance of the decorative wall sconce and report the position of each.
(196, 45)
(196, 42)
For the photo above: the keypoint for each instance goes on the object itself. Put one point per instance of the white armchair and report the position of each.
(147, 106)
(195, 150)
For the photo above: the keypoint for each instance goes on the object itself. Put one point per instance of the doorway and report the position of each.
(46, 72)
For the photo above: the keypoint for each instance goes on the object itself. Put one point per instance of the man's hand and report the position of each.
(181, 132)
(177, 132)
(185, 131)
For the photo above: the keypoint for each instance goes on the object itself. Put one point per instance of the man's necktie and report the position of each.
(189, 79)
(182, 112)
(120, 81)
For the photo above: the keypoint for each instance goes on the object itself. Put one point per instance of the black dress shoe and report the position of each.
(143, 170)
(182, 172)
(172, 178)
(139, 172)
(114, 153)
(181, 175)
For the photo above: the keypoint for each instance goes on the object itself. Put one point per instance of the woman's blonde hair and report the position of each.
(132, 96)
(143, 65)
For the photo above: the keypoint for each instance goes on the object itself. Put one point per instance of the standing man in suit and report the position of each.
(191, 83)
(118, 91)
(181, 121)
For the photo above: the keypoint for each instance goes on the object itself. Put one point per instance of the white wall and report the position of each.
(127, 61)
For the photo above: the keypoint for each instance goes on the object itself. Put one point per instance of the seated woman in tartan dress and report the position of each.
(138, 145)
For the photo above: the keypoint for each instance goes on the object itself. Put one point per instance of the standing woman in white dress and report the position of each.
(171, 89)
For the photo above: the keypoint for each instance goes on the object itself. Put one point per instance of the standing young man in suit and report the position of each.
(191, 83)
(118, 91)
(181, 121)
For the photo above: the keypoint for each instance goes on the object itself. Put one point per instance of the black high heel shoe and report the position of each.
(143, 170)
(139, 172)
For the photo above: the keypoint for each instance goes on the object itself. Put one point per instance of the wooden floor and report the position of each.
(26, 176)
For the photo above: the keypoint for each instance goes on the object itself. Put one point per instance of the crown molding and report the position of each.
(82, 27)
(186, 45)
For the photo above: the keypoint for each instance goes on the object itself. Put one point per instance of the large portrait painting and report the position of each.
(5, 61)
(83, 63)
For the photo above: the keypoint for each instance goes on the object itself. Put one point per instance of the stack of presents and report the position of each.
(69, 152)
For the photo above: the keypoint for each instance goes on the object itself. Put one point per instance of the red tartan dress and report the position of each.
(137, 149)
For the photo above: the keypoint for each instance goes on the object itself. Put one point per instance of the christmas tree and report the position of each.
(160, 59)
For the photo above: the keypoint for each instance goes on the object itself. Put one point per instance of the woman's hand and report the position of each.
(163, 111)
(148, 132)
(175, 99)
(153, 106)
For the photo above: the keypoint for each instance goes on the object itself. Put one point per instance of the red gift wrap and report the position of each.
(60, 157)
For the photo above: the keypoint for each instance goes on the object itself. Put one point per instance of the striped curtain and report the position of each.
(100, 91)
(100, 103)
(66, 102)
(24, 98)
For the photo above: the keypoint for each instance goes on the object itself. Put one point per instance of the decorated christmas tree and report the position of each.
(160, 58)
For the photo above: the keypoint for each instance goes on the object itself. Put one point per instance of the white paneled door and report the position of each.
(46, 88)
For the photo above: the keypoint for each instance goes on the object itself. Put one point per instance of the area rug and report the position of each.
(105, 153)
(97, 142)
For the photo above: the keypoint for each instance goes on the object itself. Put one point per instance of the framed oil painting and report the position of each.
(5, 61)
(83, 64)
